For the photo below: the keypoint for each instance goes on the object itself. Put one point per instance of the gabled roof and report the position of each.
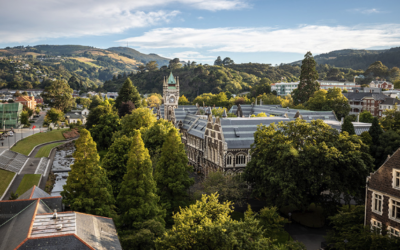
(28, 224)
(391, 101)
(32, 193)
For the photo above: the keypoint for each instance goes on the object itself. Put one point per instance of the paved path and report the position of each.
(30, 168)
(310, 237)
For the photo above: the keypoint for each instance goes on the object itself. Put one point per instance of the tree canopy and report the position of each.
(128, 92)
(308, 80)
(59, 95)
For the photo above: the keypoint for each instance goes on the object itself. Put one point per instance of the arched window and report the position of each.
(240, 159)
(229, 160)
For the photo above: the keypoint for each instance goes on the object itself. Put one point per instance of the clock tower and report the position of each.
(170, 96)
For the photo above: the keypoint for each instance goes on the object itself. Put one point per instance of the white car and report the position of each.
(10, 133)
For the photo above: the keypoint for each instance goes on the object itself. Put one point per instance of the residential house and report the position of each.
(382, 201)
(36, 221)
(389, 103)
(381, 84)
(76, 115)
(360, 101)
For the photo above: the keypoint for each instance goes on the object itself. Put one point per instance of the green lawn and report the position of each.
(26, 145)
(27, 182)
(45, 150)
(5, 179)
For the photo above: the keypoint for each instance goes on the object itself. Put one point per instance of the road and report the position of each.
(22, 133)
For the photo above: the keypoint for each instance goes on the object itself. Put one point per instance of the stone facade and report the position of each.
(382, 206)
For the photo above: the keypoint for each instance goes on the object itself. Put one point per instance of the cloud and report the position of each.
(200, 17)
(367, 11)
(192, 56)
(318, 39)
(28, 21)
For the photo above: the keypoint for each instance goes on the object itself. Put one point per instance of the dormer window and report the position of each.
(396, 179)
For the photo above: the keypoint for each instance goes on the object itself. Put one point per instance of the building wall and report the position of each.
(382, 183)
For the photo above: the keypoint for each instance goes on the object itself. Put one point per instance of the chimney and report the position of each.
(356, 90)
(256, 101)
(55, 214)
(358, 117)
(260, 102)
(370, 91)
(341, 121)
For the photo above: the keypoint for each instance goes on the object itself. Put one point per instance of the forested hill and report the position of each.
(359, 59)
(91, 66)
(144, 58)
(198, 79)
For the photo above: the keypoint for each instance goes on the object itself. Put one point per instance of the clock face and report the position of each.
(171, 100)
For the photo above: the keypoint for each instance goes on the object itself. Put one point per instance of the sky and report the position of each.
(258, 31)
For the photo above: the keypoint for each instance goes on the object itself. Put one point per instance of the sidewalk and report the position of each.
(310, 237)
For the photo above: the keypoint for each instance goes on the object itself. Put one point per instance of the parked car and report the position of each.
(10, 133)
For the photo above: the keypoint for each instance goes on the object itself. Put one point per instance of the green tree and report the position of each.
(394, 74)
(95, 114)
(366, 116)
(171, 173)
(54, 115)
(218, 62)
(228, 187)
(24, 117)
(155, 136)
(375, 131)
(366, 138)
(377, 69)
(388, 143)
(58, 95)
(141, 117)
(335, 162)
(88, 190)
(183, 100)
(95, 101)
(152, 66)
(115, 162)
(128, 92)
(102, 132)
(348, 127)
(391, 119)
(348, 232)
(308, 80)
(207, 225)
(263, 87)
(137, 199)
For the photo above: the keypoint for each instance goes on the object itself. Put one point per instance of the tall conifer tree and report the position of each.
(375, 131)
(128, 92)
(88, 189)
(348, 126)
(137, 199)
(308, 80)
(171, 173)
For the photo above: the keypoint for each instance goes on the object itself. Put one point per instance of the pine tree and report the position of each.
(171, 173)
(88, 189)
(375, 131)
(308, 80)
(218, 61)
(128, 92)
(348, 126)
(137, 199)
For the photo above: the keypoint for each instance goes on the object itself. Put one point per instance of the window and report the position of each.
(377, 201)
(396, 179)
(240, 159)
(393, 232)
(376, 226)
(229, 160)
(394, 210)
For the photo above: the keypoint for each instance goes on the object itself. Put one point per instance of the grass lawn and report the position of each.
(26, 145)
(5, 179)
(27, 182)
(45, 151)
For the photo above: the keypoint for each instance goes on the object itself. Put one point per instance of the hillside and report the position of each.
(144, 58)
(358, 59)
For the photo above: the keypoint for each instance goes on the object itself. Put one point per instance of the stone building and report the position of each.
(382, 201)
(170, 97)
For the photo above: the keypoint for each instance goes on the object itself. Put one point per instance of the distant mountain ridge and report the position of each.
(144, 58)
(358, 59)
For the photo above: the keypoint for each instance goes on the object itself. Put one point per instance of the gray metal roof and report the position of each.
(391, 101)
(98, 232)
(354, 96)
(239, 132)
(55, 243)
(37, 193)
(15, 230)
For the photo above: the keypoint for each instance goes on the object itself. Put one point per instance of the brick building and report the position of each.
(28, 101)
(382, 201)
(360, 101)
(381, 84)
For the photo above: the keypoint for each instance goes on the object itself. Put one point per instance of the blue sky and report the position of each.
(261, 31)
